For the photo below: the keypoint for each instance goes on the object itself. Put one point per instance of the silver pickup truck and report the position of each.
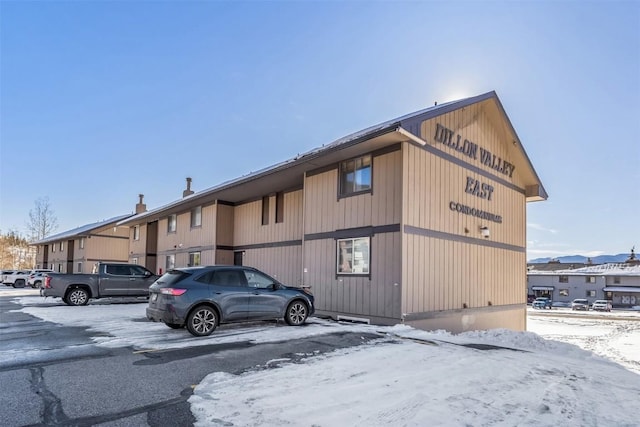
(109, 280)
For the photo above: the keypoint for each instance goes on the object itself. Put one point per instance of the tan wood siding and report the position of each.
(459, 273)
(378, 296)
(283, 263)
(187, 239)
(138, 248)
(224, 225)
(105, 248)
(248, 228)
(448, 264)
(324, 212)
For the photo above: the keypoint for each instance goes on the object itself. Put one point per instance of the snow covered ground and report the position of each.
(571, 370)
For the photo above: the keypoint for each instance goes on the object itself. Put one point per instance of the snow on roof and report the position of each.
(610, 269)
(81, 230)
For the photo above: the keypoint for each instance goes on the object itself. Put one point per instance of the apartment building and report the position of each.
(418, 220)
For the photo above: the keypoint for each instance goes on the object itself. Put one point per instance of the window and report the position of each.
(79, 267)
(196, 217)
(591, 293)
(616, 280)
(170, 262)
(136, 232)
(194, 259)
(53, 248)
(81, 243)
(279, 207)
(265, 210)
(134, 260)
(258, 280)
(353, 256)
(590, 279)
(355, 176)
(59, 268)
(171, 223)
(119, 270)
(227, 278)
(564, 279)
(564, 292)
(61, 246)
(137, 270)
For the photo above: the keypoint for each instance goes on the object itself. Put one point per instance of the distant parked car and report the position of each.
(17, 279)
(3, 274)
(601, 305)
(542, 303)
(36, 277)
(200, 298)
(580, 304)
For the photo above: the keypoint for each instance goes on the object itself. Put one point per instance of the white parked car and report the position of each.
(17, 279)
(36, 277)
(601, 305)
(5, 273)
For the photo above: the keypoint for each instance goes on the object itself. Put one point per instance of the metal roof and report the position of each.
(81, 231)
(289, 174)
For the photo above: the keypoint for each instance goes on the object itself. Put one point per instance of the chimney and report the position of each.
(188, 191)
(141, 207)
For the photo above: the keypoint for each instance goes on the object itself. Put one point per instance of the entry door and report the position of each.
(237, 257)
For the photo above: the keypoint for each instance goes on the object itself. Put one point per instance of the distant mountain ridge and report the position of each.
(600, 259)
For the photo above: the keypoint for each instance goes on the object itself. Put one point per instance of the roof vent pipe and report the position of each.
(141, 207)
(188, 191)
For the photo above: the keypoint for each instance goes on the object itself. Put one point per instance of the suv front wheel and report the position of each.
(297, 313)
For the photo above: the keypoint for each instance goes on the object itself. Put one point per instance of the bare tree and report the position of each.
(42, 219)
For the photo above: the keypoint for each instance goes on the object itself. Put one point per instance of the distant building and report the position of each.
(616, 282)
(78, 249)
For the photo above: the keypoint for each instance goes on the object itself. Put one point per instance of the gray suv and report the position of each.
(200, 298)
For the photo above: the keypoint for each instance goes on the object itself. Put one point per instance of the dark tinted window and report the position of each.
(171, 277)
(119, 270)
(229, 278)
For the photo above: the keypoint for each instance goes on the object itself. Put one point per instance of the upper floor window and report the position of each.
(279, 207)
(136, 232)
(53, 248)
(171, 223)
(355, 176)
(61, 246)
(265, 210)
(590, 279)
(196, 216)
(81, 243)
(563, 279)
(616, 280)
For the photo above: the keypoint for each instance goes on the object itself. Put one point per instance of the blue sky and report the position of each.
(101, 101)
